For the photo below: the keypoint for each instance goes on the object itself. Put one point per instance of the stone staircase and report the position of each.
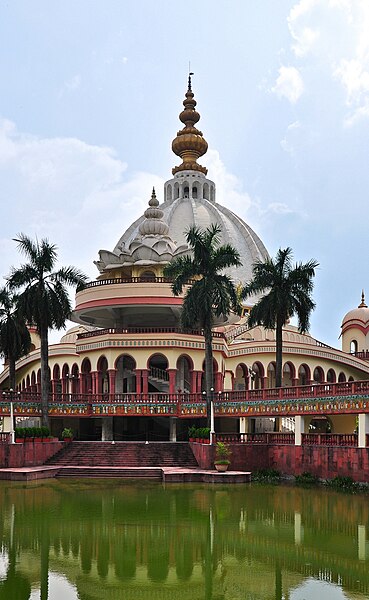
(121, 459)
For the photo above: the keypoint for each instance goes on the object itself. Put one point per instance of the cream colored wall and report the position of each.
(354, 334)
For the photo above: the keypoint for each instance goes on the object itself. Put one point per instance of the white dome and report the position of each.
(181, 213)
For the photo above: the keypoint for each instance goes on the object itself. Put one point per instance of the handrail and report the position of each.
(274, 395)
(122, 280)
(143, 330)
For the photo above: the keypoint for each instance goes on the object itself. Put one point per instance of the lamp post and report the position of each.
(212, 432)
(12, 430)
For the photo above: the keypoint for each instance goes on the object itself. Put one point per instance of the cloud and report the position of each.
(229, 190)
(78, 195)
(333, 35)
(289, 84)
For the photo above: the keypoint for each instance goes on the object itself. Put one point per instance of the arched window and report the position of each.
(304, 375)
(318, 375)
(186, 191)
(331, 376)
(353, 347)
(194, 192)
(341, 377)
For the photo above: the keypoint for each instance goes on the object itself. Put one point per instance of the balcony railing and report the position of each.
(348, 389)
(143, 330)
(256, 438)
(330, 439)
(122, 280)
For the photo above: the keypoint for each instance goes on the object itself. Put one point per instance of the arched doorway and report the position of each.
(331, 376)
(183, 375)
(271, 374)
(86, 379)
(241, 380)
(304, 375)
(103, 376)
(158, 374)
(258, 371)
(125, 381)
(318, 375)
(288, 374)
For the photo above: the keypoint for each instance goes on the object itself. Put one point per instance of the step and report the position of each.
(98, 472)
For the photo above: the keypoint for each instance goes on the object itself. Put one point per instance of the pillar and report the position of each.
(94, 382)
(138, 381)
(299, 429)
(363, 429)
(218, 380)
(145, 381)
(199, 380)
(172, 429)
(7, 424)
(172, 380)
(112, 375)
(244, 425)
(107, 429)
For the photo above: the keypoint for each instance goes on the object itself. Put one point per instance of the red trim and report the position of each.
(133, 300)
(354, 325)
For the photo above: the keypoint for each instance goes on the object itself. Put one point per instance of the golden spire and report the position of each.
(362, 304)
(189, 143)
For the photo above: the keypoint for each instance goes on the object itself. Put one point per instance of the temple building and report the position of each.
(127, 371)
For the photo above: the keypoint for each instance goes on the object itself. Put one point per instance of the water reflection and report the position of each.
(105, 539)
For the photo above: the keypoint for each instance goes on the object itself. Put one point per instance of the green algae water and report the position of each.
(97, 539)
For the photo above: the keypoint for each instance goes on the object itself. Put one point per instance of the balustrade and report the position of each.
(329, 439)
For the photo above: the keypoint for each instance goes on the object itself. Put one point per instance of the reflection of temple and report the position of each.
(128, 343)
(150, 542)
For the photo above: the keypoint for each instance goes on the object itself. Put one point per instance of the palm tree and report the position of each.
(15, 339)
(288, 290)
(44, 299)
(211, 294)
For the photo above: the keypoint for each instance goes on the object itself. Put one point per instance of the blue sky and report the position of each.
(89, 103)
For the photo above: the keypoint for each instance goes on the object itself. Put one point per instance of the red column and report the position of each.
(264, 382)
(199, 380)
(138, 373)
(172, 380)
(112, 374)
(94, 382)
(145, 381)
(218, 380)
(295, 381)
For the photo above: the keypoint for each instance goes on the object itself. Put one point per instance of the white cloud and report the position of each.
(229, 187)
(335, 34)
(78, 195)
(289, 84)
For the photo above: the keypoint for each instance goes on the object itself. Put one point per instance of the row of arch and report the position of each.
(258, 376)
(123, 376)
(193, 189)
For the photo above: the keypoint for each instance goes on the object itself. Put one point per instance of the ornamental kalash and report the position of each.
(127, 371)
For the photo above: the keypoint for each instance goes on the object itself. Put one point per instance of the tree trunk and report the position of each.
(45, 383)
(278, 353)
(12, 379)
(209, 376)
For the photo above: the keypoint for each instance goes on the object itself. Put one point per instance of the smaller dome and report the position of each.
(358, 316)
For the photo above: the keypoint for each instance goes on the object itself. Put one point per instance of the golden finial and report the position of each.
(189, 143)
(362, 303)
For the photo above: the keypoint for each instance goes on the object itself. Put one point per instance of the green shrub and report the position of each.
(306, 478)
(266, 476)
(346, 484)
(19, 432)
(45, 431)
(191, 431)
(67, 433)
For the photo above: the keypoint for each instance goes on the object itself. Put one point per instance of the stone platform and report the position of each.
(164, 474)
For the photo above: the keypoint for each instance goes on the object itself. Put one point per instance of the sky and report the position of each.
(90, 92)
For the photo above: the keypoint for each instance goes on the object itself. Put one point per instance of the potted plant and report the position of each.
(222, 456)
(19, 435)
(45, 433)
(192, 433)
(67, 434)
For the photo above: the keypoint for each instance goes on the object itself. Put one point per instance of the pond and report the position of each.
(118, 539)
